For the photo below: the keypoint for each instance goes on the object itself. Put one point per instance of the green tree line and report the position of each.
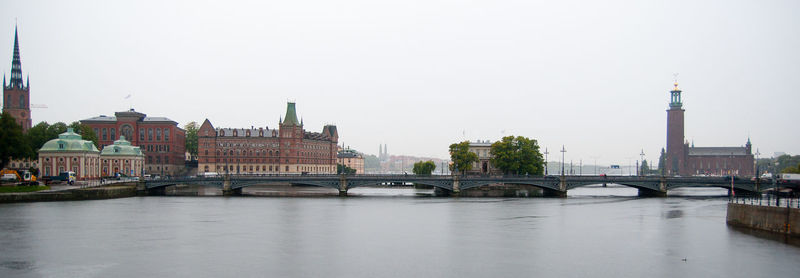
(14, 144)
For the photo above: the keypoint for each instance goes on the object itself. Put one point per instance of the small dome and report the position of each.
(68, 142)
(121, 147)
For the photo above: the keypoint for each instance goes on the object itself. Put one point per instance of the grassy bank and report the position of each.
(15, 189)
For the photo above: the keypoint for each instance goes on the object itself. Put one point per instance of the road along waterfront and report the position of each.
(594, 232)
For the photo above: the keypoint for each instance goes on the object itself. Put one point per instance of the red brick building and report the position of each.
(685, 160)
(161, 140)
(288, 149)
(16, 95)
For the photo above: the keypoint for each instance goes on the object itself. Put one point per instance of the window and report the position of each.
(21, 101)
(96, 131)
(149, 134)
(166, 160)
(105, 134)
(127, 131)
(206, 152)
(141, 134)
(158, 134)
(166, 134)
(113, 134)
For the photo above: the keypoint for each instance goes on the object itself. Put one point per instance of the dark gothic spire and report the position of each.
(16, 64)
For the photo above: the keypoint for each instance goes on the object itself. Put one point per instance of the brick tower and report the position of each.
(676, 149)
(16, 95)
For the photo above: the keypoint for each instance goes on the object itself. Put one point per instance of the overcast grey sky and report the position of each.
(419, 75)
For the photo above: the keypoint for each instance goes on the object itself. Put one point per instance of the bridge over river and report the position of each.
(556, 186)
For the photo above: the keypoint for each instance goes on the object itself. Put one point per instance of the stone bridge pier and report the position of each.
(661, 192)
(226, 188)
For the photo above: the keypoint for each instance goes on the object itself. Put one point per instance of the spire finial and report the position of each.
(675, 79)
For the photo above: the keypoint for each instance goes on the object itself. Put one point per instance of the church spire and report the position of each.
(16, 64)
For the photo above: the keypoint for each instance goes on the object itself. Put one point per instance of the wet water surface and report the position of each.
(396, 234)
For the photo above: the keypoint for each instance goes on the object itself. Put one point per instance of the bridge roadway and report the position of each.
(551, 185)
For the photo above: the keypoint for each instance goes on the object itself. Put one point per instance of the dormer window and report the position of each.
(60, 146)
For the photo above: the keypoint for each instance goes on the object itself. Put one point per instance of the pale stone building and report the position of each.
(69, 152)
(122, 158)
(351, 158)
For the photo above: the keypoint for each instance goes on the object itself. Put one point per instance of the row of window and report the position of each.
(270, 168)
(157, 159)
(156, 148)
(111, 133)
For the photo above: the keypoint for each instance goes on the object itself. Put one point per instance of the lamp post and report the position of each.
(756, 164)
(545, 161)
(563, 150)
(641, 155)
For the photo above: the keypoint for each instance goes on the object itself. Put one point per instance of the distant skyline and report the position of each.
(420, 75)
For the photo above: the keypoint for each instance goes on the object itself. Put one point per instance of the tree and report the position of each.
(36, 137)
(792, 170)
(644, 169)
(461, 156)
(191, 138)
(787, 162)
(343, 169)
(424, 167)
(662, 162)
(85, 131)
(371, 163)
(517, 155)
(12, 142)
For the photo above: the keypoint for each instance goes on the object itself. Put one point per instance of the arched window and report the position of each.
(127, 131)
(21, 101)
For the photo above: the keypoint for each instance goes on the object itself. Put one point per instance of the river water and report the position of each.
(595, 232)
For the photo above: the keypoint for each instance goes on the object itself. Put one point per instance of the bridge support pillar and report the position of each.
(661, 192)
(651, 193)
(141, 188)
(553, 193)
(561, 192)
(226, 188)
(158, 191)
(456, 187)
(342, 186)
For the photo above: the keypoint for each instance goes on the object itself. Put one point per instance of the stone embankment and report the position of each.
(783, 220)
(118, 190)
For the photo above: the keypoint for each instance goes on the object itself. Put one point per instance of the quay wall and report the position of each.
(774, 219)
(121, 190)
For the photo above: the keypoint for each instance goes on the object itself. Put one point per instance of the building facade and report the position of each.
(69, 152)
(122, 158)
(162, 142)
(685, 160)
(351, 158)
(286, 150)
(482, 148)
(16, 95)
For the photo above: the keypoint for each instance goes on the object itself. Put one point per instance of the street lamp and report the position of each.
(545, 161)
(641, 155)
(563, 150)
